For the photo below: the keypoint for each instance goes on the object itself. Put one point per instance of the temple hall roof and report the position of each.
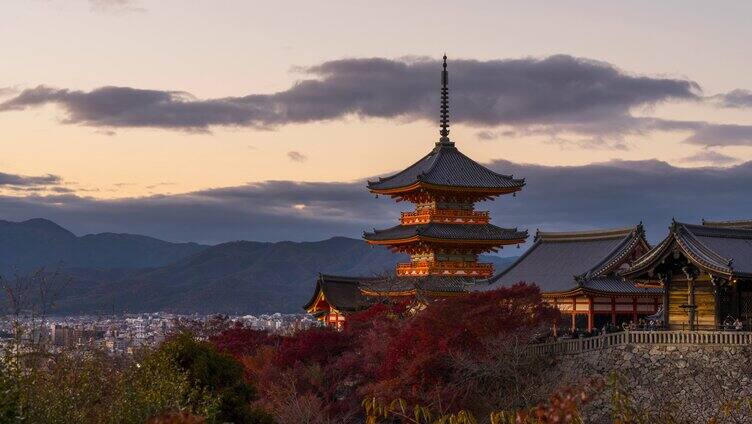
(342, 293)
(741, 224)
(445, 165)
(480, 232)
(349, 294)
(564, 261)
(717, 249)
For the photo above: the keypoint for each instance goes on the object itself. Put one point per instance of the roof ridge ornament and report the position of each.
(444, 121)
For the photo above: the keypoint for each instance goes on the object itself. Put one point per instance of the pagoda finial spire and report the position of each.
(444, 105)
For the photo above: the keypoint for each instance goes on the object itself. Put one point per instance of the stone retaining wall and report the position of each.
(691, 381)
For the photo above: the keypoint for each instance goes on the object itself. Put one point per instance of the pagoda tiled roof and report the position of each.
(565, 261)
(479, 232)
(720, 250)
(445, 165)
(350, 294)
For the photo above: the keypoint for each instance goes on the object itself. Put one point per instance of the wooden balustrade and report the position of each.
(448, 267)
(573, 346)
(444, 216)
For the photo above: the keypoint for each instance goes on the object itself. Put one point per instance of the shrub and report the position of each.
(214, 374)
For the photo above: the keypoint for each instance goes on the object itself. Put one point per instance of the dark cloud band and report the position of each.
(554, 90)
(15, 180)
(603, 195)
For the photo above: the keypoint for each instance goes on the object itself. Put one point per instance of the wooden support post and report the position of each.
(717, 290)
(634, 310)
(556, 324)
(666, 288)
(691, 303)
(574, 313)
(590, 314)
(613, 310)
(574, 321)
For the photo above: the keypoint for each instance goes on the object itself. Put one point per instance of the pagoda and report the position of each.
(444, 235)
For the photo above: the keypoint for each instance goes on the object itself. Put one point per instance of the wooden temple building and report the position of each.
(578, 273)
(444, 234)
(704, 271)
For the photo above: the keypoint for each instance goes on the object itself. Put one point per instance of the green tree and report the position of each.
(219, 375)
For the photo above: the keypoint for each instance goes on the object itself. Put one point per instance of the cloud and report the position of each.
(15, 180)
(712, 157)
(115, 6)
(734, 99)
(7, 91)
(296, 156)
(708, 134)
(605, 195)
(556, 90)
(486, 135)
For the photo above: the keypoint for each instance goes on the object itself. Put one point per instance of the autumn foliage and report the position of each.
(390, 351)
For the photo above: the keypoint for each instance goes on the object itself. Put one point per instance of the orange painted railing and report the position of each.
(446, 216)
(445, 268)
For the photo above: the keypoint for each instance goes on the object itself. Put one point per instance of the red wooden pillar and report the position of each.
(634, 310)
(590, 314)
(613, 310)
(556, 323)
(574, 313)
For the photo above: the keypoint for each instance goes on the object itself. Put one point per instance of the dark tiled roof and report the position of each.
(448, 232)
(447, 166)
(613, 284)
(342, 293)
(357, 293)
(716, 249)
(724, 250)
(557, 260)
(741, 224)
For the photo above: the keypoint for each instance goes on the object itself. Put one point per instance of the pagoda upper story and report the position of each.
(444, 234)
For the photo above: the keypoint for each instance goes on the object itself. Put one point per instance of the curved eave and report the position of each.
(441, 293)
(645, 262)
(417, 238)
(388, 293)
(318, 294)
(581, 290)
(492, 191)
(618, 254)
(689, 246)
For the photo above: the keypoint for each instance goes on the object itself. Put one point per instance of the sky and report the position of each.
(214, 121)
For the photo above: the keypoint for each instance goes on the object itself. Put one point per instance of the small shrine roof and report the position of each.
(342, 293)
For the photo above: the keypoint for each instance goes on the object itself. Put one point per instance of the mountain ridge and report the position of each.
(236, 277)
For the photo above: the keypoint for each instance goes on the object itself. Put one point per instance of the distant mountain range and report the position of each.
(107, 272)
(39, 242)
